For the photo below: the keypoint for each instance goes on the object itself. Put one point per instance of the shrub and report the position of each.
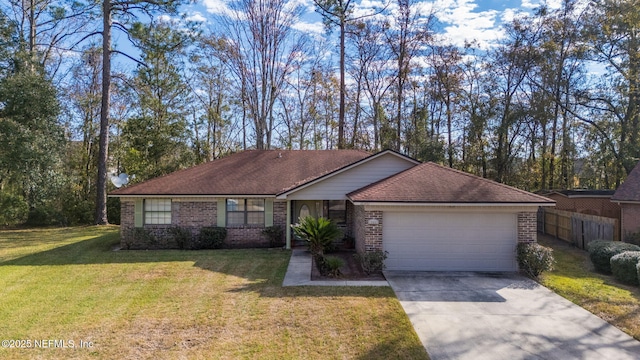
(534, 259)
(211, 237)
(372, 261)
(275, 234)
(319, 233)
(14, 209)
(333, 265)
(601, 252)
(632, 238)
(139, 238)
(182, 237)
(624, 267)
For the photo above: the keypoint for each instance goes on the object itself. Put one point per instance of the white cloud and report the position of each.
(462, 22)
(315, 28)
(551, 4)
(197, 17)
(217, 7)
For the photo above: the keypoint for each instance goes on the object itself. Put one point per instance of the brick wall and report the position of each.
(194, 215)
(630, 219)
(367, 229)
(359, 228)
(587, 205)
(527, 227)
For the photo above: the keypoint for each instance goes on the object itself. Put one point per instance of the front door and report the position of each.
(304, 208)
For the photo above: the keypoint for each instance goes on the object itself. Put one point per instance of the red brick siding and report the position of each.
(194, 215)
(586, 205)
(373, 230)
(527, 227)
(630, 219)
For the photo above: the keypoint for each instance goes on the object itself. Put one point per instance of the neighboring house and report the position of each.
(426, 216)
(628, 197)
(592, 202)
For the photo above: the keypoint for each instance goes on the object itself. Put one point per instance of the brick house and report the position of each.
(584, 201)
(426, 216)
(627, 196)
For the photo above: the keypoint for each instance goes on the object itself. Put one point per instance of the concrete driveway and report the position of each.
(495, 316)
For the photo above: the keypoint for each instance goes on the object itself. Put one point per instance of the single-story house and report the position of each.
(627, 195)
(584, 201)
(426, 216)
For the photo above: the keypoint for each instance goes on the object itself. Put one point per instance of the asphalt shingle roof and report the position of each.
(251, 172)
(629, 190)
(432, 183)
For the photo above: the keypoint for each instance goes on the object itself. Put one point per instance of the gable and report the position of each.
(629, 191)
(336, 185)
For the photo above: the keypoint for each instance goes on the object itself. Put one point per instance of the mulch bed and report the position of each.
(351, 270)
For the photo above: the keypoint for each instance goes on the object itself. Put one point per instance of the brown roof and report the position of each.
(432, 183)
(630, 188)
(252, 172)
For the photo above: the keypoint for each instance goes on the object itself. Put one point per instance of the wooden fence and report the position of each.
(578, 229)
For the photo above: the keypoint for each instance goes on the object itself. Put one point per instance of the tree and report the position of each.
(615, 44)
(31, 140)
(126, 13)
(406, 38)
(261, 49)
(157, 137)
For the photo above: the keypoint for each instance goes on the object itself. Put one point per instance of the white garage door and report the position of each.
(450, 241)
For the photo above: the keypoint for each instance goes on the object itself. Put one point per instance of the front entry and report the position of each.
(302, 209)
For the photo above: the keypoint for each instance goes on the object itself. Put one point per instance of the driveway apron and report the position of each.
(503, 316)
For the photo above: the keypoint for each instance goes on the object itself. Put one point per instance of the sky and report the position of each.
(461, 20)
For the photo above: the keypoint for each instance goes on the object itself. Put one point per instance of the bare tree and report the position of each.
(261, 49)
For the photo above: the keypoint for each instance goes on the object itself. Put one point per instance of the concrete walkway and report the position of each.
(299, 273)
(492, 317)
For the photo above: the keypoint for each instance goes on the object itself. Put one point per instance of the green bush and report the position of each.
(333, 265)
(14, 210)
(601, 252)
(632, 238)
(182, 237)
(372, 261)
(140, 238)
(275, 234)
(534, 259)
(211, 237)
(624, 267)
(319, 233)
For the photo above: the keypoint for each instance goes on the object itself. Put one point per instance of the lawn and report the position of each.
(575, 279)
(63, 285)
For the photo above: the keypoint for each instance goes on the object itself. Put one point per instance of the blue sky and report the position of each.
(461, 19)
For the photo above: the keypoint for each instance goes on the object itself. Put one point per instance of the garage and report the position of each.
(450, 241)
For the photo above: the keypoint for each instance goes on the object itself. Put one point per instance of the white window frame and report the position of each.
(157, 212)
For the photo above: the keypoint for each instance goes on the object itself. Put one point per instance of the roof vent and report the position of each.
(279, 155)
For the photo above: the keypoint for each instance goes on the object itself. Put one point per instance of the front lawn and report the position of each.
(575, 279)
(62, 285)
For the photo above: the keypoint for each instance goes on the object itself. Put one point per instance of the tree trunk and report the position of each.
(103, 153)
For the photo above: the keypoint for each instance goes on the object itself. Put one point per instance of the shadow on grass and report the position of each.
(263, 268)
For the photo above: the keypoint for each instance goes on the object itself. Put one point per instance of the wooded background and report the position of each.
(554, 104)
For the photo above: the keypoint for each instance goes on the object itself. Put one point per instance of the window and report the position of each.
(338, 211)
(245, 212)
(157, 211)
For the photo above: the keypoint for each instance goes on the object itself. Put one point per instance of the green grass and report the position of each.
(575, 279)
(68, 284)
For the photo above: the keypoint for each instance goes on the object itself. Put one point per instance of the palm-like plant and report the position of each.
(319, 233)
